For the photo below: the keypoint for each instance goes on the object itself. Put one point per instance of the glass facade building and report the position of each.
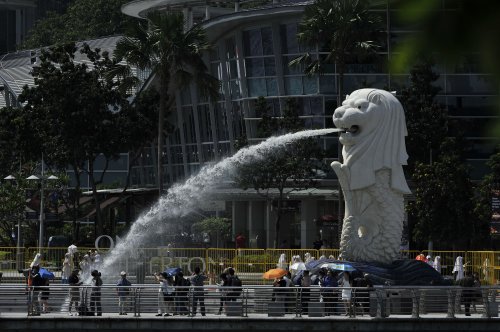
(253, 46)
(252, 50)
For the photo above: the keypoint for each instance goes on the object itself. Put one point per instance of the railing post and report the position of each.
(381, 294)
(137, 302)
(486, 303)
(245, 302)
(458, 300)
(451, 304)
(30, 301)
(190, 304)
(416, 301)
(422, 299)
(298, 307)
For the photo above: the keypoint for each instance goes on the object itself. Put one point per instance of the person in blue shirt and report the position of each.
(328, 282)
(123, 291)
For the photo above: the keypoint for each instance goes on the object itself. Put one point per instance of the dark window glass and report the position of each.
(255, 67)
(267, 41)
(270, 66)
(252, 42)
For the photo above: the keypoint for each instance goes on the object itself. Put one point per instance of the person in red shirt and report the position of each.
(240, 241)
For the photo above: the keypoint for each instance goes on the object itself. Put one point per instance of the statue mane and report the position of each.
(382, 148)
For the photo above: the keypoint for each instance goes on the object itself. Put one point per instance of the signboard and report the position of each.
(495, 212)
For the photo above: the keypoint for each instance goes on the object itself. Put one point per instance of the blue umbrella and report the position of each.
(46, 274)
(172, 271)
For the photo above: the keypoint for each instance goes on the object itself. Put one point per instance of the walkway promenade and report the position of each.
(259, 308)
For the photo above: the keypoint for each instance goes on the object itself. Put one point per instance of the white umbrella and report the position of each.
(282, 262)
(459, 268)
(37, 260)
(72, 249)
(298, 266)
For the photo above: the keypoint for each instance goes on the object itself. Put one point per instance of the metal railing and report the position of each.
(248, 301)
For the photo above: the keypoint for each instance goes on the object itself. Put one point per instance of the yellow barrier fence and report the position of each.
(250, 263)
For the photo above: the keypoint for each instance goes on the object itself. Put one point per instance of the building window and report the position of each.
(260, 64)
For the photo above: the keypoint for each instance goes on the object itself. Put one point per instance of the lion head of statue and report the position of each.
(373, 137)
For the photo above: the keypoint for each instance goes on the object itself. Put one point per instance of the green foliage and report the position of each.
(426, 120)
(482, 208)
(84, 19)
(216, 226)
(4, 255)
(269, 124)
(76, 114)
(442, 208)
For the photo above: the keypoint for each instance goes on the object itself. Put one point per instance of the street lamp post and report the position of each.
(18, 239)
(42, 214)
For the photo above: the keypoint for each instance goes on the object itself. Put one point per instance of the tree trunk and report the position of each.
(99, 229)
(161, 120)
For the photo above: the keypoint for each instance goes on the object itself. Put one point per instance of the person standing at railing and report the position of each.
(95, 296)
(222, 291)
(198, 280)
(279, 290)
(233, 280)
(37, 283)
(467, 282)
(305, 283)
(74, 292)
(161, 278)
(346, 283)
(181, 294)
(362, 293)
(477, 293)
(123, 292)
(44, 296)
(329, 283)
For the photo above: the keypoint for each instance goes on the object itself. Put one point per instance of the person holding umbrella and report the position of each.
(328, 282)
(347, 293)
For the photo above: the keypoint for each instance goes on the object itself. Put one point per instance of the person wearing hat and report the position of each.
(95, 295)
(123, 291)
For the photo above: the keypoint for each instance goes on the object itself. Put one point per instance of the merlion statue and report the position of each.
(371, 176)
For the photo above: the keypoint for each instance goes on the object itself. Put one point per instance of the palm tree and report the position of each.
(174, 57)
(341, 30)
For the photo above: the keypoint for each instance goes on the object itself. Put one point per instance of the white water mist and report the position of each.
(185, 197)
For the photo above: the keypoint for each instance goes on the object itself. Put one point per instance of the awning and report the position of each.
(103, 205)
(290, 193)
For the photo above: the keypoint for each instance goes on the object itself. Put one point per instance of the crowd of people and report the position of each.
(342, 292)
